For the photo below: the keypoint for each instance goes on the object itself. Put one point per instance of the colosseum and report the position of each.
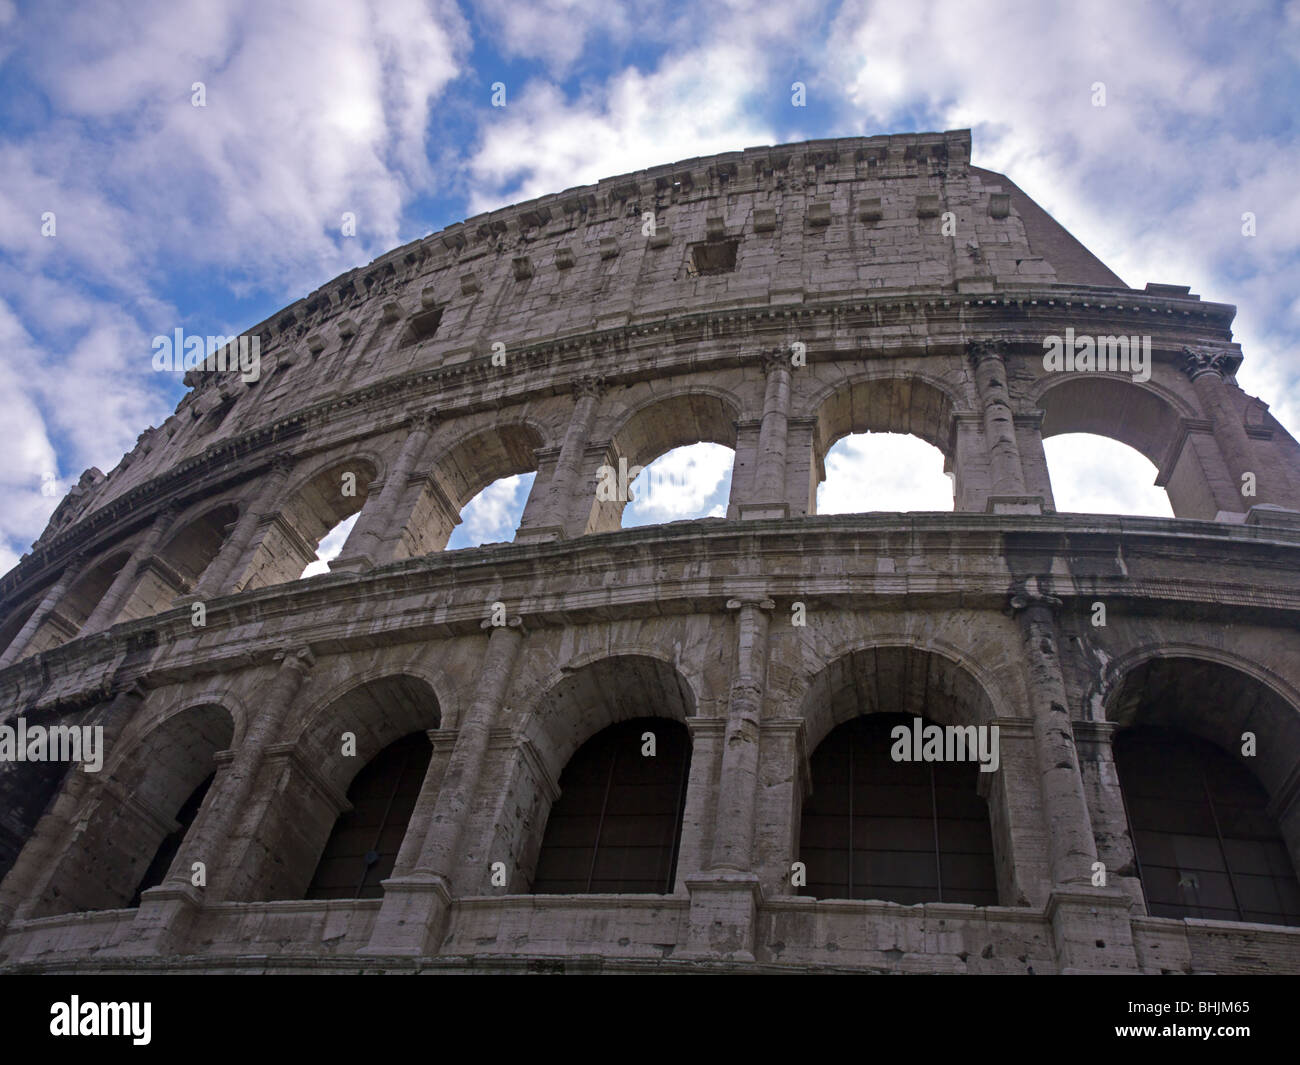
(670, 748)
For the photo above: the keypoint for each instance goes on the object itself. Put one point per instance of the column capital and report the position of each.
(514, 621)
(1198, 361)
(422, 421)
(300, 660)
(1029, 595)
(761, 603)
(777, 358)
(589, 385)
(979, 350)
(283, 462)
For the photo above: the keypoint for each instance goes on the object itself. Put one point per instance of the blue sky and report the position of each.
(213, 218)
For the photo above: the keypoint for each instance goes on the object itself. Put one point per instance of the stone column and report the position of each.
(1206, 369)
(415, 907)
(1008, 493)
(733, 843)
(71, 571)
(1090, 924)
(106, 610)
(39, 860)
(561, 491)
(769, 498)
(725, 900)
(167, 912)
(220, 573)
(364, 546)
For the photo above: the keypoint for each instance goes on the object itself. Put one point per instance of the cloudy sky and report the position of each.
(211, 218)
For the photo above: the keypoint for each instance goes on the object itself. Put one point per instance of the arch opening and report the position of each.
(1093, 474)
(1204, 752)
(894, 830)
(683, 484)
(1205, 842)
(906, 829)
(291, 543)
(875, 469)
(883, 472)
(127, 838)
(616, 826)
(363, 845)
(475, 492)
(685, 445)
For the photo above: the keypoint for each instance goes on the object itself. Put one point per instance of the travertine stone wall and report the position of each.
(879, 284)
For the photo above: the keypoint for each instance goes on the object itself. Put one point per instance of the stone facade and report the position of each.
(784, 298)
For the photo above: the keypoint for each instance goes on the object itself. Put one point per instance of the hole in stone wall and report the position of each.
(682, 484)
(1097, 475)
(883, 472)
(422, 326)
(712, 257)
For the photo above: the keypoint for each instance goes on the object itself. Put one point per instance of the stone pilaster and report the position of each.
(1090, 924)
(1008, 493)
(725, 900)
(1206, 368)
(557, 516)
(365, 544)
(56, 831)
(769, 498)
(72, 569)
(220, 573)
(110, 604)
(415, 908)
(167, 912)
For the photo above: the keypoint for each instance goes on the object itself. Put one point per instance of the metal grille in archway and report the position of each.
(904, 832)
(1206, 844)
(363, 847)
(616, 826)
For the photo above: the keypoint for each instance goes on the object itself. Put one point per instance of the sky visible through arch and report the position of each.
(211, 219)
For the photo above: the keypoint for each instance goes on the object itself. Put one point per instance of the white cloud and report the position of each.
(1095, 475)
(330, 546)
(680, 484)
(493, 515)
(883, 472)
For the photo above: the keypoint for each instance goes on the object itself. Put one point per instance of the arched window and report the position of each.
(330, 546)
(363, 847)
(886, 472)
(1206, 844)
(616, 827)
(1096, 475)
(903, 832)
(493, 515)
(687, 482)
(171, 844)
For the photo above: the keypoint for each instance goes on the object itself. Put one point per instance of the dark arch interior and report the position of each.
(171, 844)
(906, 832)
(1206, 843)
(362, 849)
(617, 824)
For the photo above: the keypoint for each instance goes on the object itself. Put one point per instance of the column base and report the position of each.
(724, 911)
(413, 918)
(539, 534)
(163, 924)
(1092, 930)
(352, 564)
(1014, 505)
(763, 511)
